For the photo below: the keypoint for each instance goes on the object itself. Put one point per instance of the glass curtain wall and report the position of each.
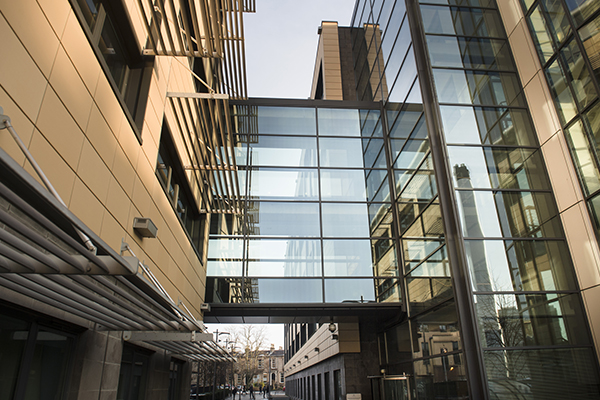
(317, 220)
(567, 38)
(528, 312)
(427, 347)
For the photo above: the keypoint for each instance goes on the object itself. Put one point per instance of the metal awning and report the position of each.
(43, 257)
(192, 345)
(201, 28)
(204, 124)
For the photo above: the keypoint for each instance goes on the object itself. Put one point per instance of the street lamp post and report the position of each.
(217, 333)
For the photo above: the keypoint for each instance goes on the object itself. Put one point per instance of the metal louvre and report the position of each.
(204, 123)
(201, 28)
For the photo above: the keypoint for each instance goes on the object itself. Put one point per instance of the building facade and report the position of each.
(426, 223)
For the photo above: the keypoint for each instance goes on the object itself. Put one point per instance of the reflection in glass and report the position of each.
(420, 219)
(502, 126)
(445, 51)
(283, 219)
(286, 120)
(540, 35)
(283, 151)
(347, 258)
(345, 220)
(334, 152)
(290, 257)
(279, 184)
(374, 153)
(338, 122)
(343, 185)
(225, 248)
(559, 24)
(439, 326)
(582, 155)
(461, 21)
(411, 154)
(349, 290)
(460, 125)
(514, 168)
(283, 290)
(223, 268)
(514, 320)
(469, 167)
(477, 87)
(578, 75)
(563, 99)
(380, 217)
(549, 374)
(590, 34)
(387, 290)
(370, 121)
(528, 214)
(416, 251)
(478, 214)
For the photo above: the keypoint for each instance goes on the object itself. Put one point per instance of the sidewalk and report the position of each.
(277, 394)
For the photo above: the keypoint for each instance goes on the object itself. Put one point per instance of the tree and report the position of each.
(252, 340)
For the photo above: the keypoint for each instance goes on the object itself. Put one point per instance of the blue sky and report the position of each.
(281, 44)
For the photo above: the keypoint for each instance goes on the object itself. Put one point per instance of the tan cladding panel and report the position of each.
(64, 108)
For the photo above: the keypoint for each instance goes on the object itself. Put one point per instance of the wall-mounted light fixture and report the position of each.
(317, 349)
(144, 227)
(306, 357)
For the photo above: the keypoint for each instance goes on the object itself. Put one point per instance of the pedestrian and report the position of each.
(267, 389)
(234, 392)
(252, 392)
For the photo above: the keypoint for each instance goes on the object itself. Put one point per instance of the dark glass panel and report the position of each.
(226, 224)
(441, 378)
(528, 214)
(515, 320)
(287, 151)
(89, 9)
(289, 258)
(481, 3)
(445, 51)
(578, 75)
(283, 219)
(476, 87)
(582, 153)
(286, 120)
(266, 290)
(538, 265)
(48, 368)
(283, 184)
(461, 21)
(338, 122)
(224, 290)
(439, 328)
(549, 374)
(594, 206)
(397, 345)
(582, 9)
(430, 283)
(13, 338)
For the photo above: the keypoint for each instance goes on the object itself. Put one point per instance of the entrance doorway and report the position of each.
(390, 387)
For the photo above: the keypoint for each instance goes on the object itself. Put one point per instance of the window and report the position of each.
(175, 379)
(171, 175)
(133, 374)
(129, 72)
(34, 358)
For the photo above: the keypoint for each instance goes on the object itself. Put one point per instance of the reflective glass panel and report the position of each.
(371, 123)
(283, 219)
(380, 217)
(374, 153)
(438, 328)
(283, 291)
(540, 35)
(460, 125)
(225, 248)
(469, 168)
(286, 120)
(563, 99)
(349, 290)
(461, 21)
(445, 51)
(384, 257)
(345, 220)
(421, 220)
(578, 74)
(514, 168)
(343, 185)
(223, 268)
(559, 24)
(404, 120)
(416, 251)
(335, 152)
(510, 127)
(478, 214)
(411, 154)
(583, 157)
(377, 186)
(549, 374)
(283, 151)
(581, 9)
(590, 36)
(338, 122)
(279, 184)
(481, 3)
(476, 87)
(519, 265)
(528, 214)
(508, 320)
(387, 290)
(284, 257)
(347, 258)
(404, 80)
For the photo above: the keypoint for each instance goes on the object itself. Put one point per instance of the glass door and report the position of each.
(390, 388)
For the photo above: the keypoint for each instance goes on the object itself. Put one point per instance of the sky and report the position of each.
(281, 46)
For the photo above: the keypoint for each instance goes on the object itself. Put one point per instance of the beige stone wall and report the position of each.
(328, 59)
(63, 107)
(575, 217)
